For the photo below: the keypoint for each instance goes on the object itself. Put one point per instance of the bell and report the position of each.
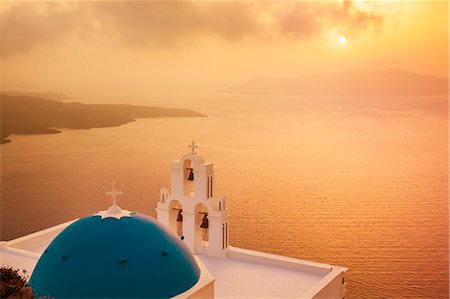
(205, 222)
(191, 175)
(180, 216)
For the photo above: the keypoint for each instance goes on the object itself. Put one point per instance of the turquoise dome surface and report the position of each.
(130, 257)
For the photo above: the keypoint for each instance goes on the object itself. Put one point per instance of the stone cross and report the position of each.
(114, 193)
(193, 147)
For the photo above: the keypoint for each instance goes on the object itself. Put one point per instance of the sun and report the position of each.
(342, 39)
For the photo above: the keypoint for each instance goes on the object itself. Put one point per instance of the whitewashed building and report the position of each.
(185, 254)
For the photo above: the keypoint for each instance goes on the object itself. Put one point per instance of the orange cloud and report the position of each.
(155, 24)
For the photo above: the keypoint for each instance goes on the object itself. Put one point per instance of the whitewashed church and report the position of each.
(185, 253)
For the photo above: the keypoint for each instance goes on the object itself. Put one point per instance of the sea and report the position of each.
(359, 182)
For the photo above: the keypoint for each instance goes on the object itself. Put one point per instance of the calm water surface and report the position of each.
(360, 183)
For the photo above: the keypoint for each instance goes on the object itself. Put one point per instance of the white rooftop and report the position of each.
(237, 278)
(242, 274)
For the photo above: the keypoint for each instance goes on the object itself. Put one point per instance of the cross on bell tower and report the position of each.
(193, 146)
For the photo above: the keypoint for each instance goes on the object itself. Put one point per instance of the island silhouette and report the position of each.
(26, 114)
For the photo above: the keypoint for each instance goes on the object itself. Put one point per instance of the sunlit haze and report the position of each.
(105, 51)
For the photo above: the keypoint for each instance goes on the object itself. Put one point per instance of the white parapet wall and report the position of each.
(278, 261)
(329, 287)
(18, 258)
(23, 253)
(38, 241)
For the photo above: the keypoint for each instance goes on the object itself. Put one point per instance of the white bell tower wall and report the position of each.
(194, 194)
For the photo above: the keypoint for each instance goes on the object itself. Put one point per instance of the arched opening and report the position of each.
(176, 217)
(188, 177)
(201, 227)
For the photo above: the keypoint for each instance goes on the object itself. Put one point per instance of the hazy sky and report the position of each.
(98, 50)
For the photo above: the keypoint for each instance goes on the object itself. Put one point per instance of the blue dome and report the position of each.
(130, 257)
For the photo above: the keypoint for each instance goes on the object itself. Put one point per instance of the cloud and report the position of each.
(166, 22)
(27, 25)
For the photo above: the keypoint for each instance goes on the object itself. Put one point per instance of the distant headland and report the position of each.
(388, 82)
(23, 113)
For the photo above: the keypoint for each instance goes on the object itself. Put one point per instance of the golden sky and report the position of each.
(101, 50)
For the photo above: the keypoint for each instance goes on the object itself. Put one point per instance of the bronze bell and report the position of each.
(191, 175)
(180, 216)
(205, 221)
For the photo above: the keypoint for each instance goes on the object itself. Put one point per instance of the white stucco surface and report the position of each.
(237, 278)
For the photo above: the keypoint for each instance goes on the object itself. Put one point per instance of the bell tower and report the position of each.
(190, 208)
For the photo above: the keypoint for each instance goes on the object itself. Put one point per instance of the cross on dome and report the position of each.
(193, 147)
(114, 211)
(114, 193)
